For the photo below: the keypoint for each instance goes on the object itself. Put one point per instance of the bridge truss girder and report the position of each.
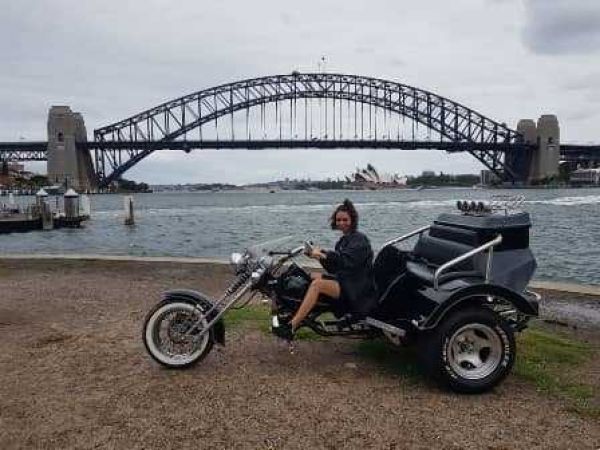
(173, 120)
(23, 151)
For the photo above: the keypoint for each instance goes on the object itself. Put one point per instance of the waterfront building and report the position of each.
(488, 178)
(585, 177)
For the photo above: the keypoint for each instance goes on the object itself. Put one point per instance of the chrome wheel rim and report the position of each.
(474, 351)
(166, 336)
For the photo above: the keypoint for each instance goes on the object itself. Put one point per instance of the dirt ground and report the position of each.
(74, 374)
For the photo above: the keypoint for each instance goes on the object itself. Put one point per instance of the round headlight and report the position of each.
(236, 258)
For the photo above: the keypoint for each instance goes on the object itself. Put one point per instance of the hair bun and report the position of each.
(348, 207)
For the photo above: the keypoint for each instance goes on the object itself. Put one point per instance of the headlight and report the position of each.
(238, 262)
(236, 259)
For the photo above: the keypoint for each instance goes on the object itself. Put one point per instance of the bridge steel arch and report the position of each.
(174, 119)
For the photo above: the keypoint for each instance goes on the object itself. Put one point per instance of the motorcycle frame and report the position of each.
(233, 294)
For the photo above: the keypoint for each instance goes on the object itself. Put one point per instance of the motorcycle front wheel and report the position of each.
(166, 338)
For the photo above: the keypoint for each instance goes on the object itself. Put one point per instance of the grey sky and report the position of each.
(508, 59)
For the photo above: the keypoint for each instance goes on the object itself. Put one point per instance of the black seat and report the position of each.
(433, 249)
(388, 265)
(426, 273)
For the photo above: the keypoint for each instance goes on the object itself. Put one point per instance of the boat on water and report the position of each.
(23, 222)
(39, 216)
(17, 222)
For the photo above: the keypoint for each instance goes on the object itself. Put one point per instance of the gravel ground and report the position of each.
(75, 375)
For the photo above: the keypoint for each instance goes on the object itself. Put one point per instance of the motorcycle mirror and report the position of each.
(308, 247)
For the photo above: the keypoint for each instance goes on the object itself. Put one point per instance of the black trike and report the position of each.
(459, 294)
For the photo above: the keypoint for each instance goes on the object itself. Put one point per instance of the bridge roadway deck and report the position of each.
(40, 146)
(536, 284)
(332, 144)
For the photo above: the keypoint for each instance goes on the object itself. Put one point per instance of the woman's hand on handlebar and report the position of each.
(317, 253)
(312, 251)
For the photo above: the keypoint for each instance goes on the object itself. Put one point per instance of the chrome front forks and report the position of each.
(229, 298)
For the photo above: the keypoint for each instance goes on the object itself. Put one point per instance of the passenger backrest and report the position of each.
(437, 251)
(455, 234)
(452, 235)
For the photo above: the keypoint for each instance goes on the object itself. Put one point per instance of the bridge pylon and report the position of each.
(69, 165)
(543, 161)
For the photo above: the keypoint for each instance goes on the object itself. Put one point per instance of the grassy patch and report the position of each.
(251, 314)
(397, 360)
(549, 361)
(259, 316)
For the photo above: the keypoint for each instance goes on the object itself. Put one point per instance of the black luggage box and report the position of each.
(474, 230)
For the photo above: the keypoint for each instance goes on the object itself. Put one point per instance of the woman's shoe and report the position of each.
(284, 331)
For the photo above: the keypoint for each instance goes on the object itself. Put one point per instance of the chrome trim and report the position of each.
(385, 327)
(491, 244)
(220, 313)
(538, 297)
(488, 264)
(406, 236)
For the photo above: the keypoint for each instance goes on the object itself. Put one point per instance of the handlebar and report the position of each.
(297, 250)
(289, 253)
(306, 248)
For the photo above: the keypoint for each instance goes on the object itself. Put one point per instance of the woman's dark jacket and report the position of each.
(352, 264)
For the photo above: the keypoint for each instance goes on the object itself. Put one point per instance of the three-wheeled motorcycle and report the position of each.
(459, 294)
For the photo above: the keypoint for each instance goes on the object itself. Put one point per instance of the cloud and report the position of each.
(111, 62)
(586, 82)
(555, 27)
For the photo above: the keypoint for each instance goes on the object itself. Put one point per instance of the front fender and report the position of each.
(466, 295)
(205, 303)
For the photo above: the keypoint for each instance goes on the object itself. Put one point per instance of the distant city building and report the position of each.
(16, 167)
(488, 177)
(10, 170)
(585, 177)
(427, 173)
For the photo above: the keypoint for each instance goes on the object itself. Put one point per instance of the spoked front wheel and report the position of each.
(167, 338)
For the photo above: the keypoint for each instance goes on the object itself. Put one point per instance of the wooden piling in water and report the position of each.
(128, 203)
(47, 219)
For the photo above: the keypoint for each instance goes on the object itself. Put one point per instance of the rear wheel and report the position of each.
(166, 334)
(471, 351)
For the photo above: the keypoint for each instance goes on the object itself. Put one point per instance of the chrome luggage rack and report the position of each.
(502, 202)
(489, 246)
(507, 203)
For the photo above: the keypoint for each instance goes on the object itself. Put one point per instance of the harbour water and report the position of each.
(565, 236)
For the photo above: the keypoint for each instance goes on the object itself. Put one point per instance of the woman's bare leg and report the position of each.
(319, 286)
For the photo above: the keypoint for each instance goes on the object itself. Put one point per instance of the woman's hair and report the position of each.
(349, 209)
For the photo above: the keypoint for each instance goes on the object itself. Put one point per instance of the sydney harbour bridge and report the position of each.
(299, 110)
